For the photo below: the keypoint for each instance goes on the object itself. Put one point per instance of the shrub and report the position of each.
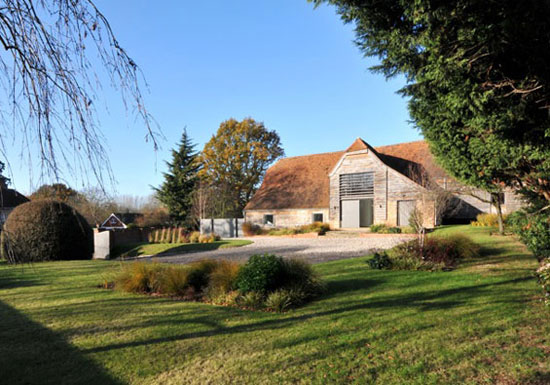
(316, 227)
(46, 230)
(198, 274)
(260, 274)
(250, 229)
(298, 275)
(380, 261)
(533, 231)
(543, 277)
(437, 253)
(252, 300)
(223, 298)
(139, 277)
(384, 229)
(487, 220)
(279, 300)
(194, 237)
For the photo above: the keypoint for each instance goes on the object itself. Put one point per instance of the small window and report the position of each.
(318, 217)
(500, 198)
(268, 220)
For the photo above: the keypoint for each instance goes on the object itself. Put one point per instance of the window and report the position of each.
(499, 196)
(318, 217)
(268, 220)
(356, 185)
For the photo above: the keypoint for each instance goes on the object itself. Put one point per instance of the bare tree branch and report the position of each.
(50, 84)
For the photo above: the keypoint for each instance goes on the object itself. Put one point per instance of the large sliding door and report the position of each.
(356, 199)
(350, 214)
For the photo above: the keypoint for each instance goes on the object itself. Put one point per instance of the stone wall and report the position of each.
(286, 217)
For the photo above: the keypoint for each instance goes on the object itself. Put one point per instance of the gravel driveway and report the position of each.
(314, 250)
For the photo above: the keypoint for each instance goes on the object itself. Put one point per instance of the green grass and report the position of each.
(144, 248)
(482, 323)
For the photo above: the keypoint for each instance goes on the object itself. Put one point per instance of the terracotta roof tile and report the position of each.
(358, 145)
(303, 182)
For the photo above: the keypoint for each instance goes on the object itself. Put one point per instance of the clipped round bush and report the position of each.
(46, 230)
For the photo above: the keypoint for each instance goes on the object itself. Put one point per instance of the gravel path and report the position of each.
(314, 250)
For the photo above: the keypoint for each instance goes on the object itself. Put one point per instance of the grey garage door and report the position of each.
(404, 211)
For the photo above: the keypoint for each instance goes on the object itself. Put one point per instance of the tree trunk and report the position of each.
(498, 206)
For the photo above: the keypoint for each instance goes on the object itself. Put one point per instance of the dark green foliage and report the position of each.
(262, 273)
(199, 274)
(299, 277)
(380, 261)
(533, 230)
(176, 193)
(46, 230)
(478, 81)
(268, 273)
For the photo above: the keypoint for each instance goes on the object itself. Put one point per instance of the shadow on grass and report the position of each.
(33, 354)
(9, 278)
(423, 301)
(144, 248)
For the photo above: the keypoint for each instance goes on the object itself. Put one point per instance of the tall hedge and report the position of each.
(46, 230)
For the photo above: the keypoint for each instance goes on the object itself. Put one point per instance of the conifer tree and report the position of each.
(176, 193)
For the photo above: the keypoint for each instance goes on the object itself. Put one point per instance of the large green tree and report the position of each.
(478, 81)
(176, 192)
(235, 160)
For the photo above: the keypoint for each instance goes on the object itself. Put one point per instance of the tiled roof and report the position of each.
(11, 198)
(303, 182)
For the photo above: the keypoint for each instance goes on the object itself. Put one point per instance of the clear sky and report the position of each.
(281, 62)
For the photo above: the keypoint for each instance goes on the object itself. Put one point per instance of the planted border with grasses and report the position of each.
(265, 282)
(437, 253)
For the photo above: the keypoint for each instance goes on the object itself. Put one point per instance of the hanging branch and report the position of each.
(50, 84)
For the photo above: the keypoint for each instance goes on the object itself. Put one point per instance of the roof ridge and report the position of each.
(321, 153)
(397, 144)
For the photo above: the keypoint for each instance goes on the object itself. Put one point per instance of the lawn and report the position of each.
(482, 323)
(144, 248)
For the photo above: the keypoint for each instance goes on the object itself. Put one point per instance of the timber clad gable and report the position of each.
(372, 185)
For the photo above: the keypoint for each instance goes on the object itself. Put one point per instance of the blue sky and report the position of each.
(284, 63)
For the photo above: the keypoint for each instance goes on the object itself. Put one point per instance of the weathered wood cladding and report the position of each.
(389, 187)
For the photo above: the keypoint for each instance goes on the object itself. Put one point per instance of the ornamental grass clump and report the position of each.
(265, 281)
(384, 229)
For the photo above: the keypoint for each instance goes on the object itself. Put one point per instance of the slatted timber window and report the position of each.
(356, 185)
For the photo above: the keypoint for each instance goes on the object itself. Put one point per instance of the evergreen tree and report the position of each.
(176, 193)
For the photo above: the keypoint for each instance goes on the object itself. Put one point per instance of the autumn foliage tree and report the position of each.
(235, 160)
